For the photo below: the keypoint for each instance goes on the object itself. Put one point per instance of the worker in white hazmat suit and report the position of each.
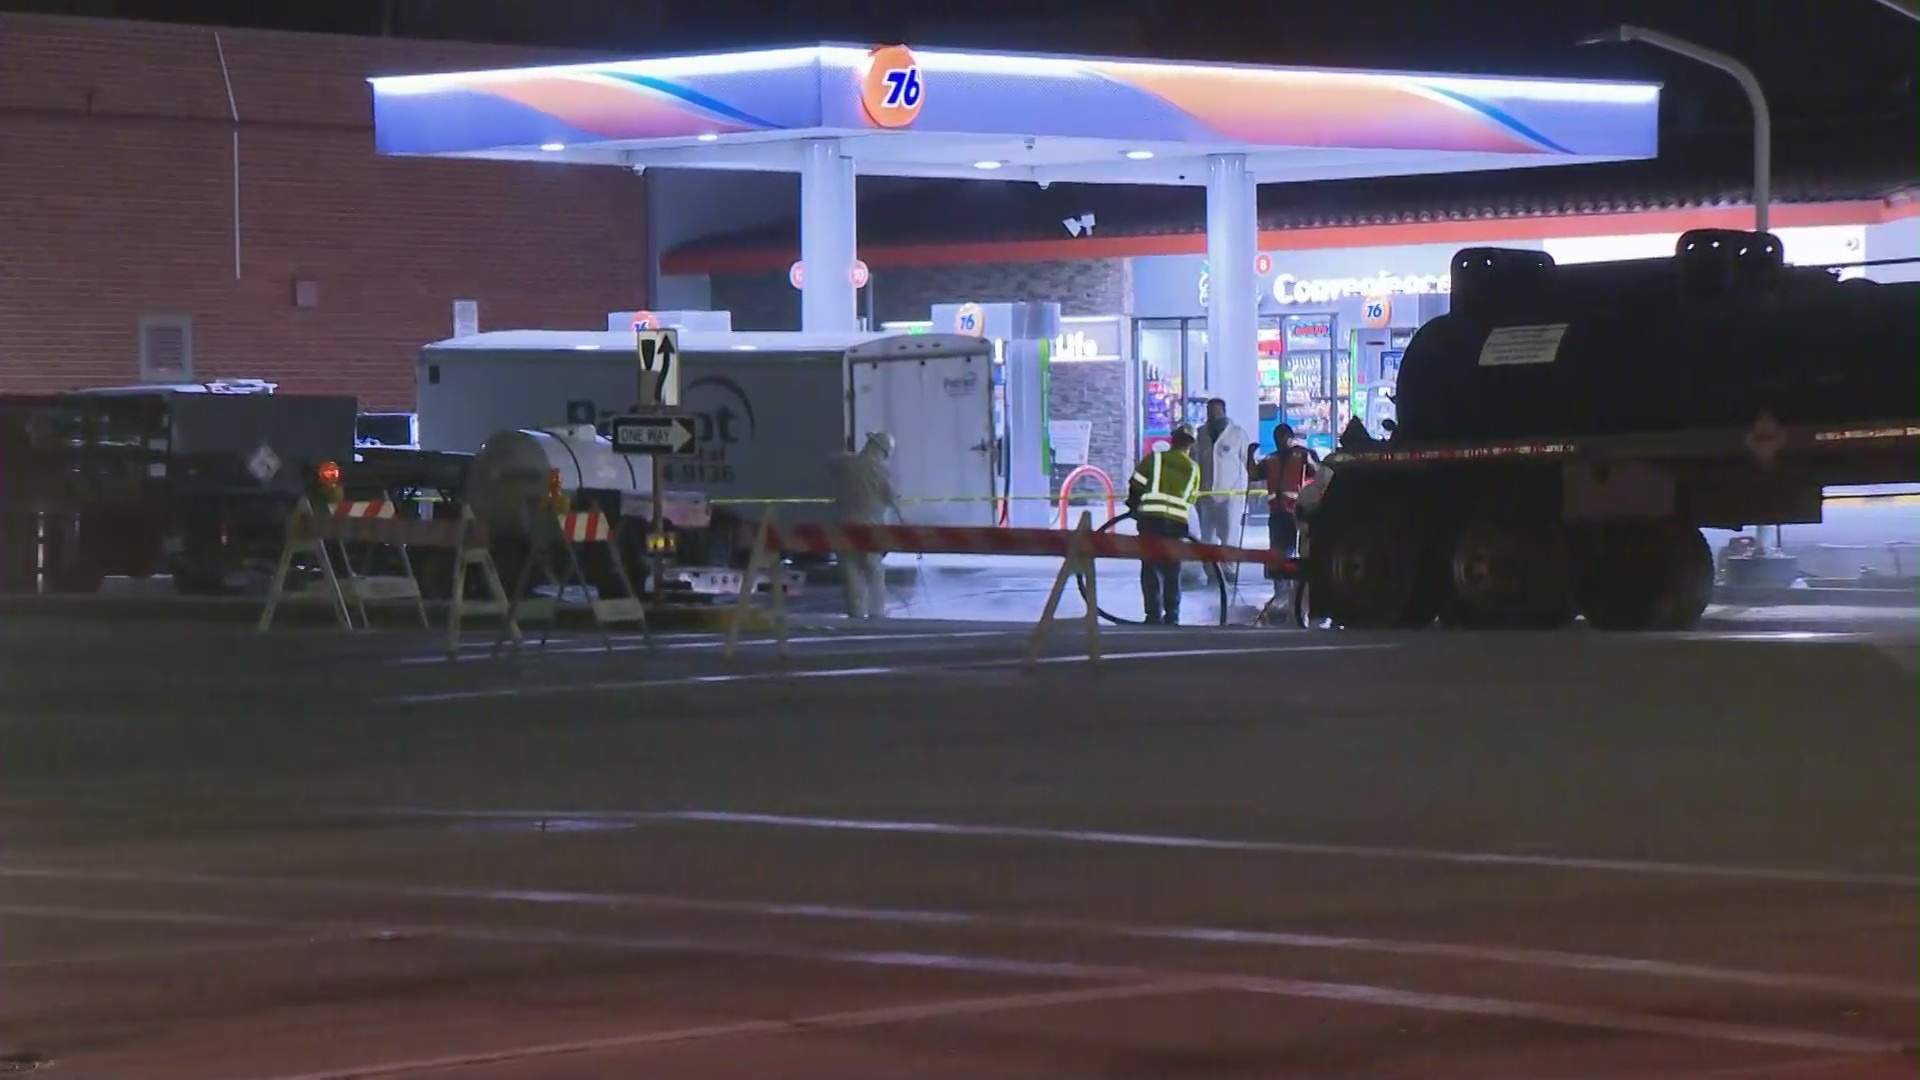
(1221, 453)
(862, 495)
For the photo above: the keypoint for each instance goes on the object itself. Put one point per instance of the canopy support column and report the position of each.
(827, 295)
(1233, 289)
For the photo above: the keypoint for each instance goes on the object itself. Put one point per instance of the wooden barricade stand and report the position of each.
(309, 532)
(361, 587)
(555, 540)
(1078, 562)
(765, 559)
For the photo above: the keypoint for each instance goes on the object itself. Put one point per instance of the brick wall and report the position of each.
(1095, 391)
(1098, 391)
(116, 188)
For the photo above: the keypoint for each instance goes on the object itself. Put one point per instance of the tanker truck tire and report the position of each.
(1691, 588)
(1637, 576)
(1505, 570)
(1367, 573)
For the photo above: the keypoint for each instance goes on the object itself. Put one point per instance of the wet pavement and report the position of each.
(1219, 853)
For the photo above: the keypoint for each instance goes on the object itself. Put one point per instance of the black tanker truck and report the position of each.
(1565, 432)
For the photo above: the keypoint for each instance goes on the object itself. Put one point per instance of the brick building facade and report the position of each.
(117, 210)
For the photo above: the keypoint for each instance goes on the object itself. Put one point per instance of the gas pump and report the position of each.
(1015, 463)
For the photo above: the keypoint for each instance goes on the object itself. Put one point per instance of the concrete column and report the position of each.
(1233, 227)
(827, 303)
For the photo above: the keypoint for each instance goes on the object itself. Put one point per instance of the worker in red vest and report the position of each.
(1286, 471)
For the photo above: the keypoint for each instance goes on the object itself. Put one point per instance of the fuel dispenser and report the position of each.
(1019, 459)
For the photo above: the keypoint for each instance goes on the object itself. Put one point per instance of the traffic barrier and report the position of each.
(309, 531)
(359, 587)
(1076, 549)
(1066, 491)
(557, 538)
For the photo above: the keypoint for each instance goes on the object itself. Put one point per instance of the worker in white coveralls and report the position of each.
(862, 495)
(1221, 453)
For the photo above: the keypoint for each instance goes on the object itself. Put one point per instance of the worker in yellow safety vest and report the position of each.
(1160, 495)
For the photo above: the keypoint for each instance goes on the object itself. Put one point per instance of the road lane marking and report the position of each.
(1569, 1015)
(1124, 975)
(747, 1029)
(726, 678)
(1546, 959)
(1785, 875)
(482, 651)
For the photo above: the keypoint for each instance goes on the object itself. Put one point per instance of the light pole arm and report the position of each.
(1909, 8)
(1757, 98)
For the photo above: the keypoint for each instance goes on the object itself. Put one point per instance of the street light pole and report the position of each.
(1757, 98)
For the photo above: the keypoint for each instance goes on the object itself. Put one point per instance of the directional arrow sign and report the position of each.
(659, 352)
(664, 434)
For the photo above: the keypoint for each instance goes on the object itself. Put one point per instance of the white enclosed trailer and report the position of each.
(770, 407)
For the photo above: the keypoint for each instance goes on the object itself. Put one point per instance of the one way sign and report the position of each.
(663, 435)
(659, 366)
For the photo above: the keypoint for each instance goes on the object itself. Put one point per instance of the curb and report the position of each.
(1771, 596)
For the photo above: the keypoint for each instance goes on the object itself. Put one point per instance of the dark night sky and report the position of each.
(1820, 60)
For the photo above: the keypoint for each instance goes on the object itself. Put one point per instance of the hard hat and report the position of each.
(1180, 430)
(880, 442)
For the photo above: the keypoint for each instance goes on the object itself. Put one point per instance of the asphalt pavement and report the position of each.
(900, 853)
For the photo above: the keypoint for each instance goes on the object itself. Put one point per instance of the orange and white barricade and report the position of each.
(1076, 551)
(358, 586)
(377, 524)
(555, 555)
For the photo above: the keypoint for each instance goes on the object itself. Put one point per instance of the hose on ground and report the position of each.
(1213, 573)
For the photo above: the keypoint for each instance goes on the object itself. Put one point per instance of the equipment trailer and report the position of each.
(1564, 433)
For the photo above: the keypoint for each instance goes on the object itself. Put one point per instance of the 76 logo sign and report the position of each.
(903, 88)
(892, 88)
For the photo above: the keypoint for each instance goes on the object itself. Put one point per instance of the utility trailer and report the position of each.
(770, 408)
(1564, 433)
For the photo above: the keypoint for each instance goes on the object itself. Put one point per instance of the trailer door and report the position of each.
(933, 393)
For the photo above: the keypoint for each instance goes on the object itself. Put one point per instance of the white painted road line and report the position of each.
(1125, 976)
(1202, 843)
(1545, 959)
(577, 646)
(730, 678)
(748, 1029)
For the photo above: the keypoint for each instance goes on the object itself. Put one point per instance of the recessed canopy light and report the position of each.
(708, 137)
(745, 348)
(586, 348)
(553, 147)
(987, 164)
(1139, 155)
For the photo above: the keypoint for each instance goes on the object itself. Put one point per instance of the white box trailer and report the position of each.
(771, 407)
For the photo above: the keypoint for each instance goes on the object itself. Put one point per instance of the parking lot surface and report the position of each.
(1217, 853)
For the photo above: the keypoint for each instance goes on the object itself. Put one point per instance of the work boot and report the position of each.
(1150, 620)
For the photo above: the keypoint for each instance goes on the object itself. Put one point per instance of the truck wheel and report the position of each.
(1690, 586)
(1504, 572)
(1644, 576)
(1368, 575)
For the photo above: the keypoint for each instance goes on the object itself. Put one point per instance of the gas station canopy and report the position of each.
(941, 113)
(828, 112)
